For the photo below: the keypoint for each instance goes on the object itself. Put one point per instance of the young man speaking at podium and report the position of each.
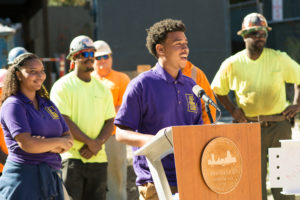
(158, 98)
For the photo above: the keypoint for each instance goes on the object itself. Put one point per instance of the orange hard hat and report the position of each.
(254, 22)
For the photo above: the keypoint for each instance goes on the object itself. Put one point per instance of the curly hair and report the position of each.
(157, 33)
(12, 83)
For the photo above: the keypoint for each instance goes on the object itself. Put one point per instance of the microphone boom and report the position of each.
(199, 92)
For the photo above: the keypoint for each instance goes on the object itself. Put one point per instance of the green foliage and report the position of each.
(66, 2)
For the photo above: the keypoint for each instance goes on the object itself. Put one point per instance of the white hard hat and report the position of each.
(102, 48)
(80, 43)
(15, 52)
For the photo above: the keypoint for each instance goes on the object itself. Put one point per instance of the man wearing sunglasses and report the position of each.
(87, 106)
(258, 75)
(115, 151)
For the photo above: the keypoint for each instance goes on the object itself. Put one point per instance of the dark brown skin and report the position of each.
(254, 48)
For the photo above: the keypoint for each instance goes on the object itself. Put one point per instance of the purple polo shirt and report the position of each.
(155, 100)
(18, 115)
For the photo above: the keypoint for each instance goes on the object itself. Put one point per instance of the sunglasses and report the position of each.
(256, 34)
(87, 54)
(105, 57)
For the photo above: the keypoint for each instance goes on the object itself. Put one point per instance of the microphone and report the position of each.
(199, 92)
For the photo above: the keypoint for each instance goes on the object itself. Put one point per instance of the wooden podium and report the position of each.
(212, 161)
(190, 143)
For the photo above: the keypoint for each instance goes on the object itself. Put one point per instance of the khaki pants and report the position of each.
(148, 191)
(116, 169)
(66, 195)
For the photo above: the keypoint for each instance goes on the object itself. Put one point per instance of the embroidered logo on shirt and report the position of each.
(51, 110)
(192, 106)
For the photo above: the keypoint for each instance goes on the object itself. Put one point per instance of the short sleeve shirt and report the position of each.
(152, 101)
(117, 83)
(18, 115)
(89, 105)
(259, 85)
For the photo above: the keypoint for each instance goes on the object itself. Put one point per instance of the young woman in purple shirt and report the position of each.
(35, 134)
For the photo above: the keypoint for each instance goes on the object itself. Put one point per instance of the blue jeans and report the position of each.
(85, 181)
(28, 181)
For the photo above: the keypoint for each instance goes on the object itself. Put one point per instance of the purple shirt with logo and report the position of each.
(155, 100)
(18, 115)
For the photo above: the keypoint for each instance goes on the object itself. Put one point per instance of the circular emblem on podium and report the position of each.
(221, 165)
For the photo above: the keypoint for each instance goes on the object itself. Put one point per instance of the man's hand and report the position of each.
(85, 152)
(291, 111)
(239, 115)
(94, 146)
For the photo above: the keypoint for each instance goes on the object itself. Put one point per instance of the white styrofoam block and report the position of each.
(275, 167)
(289, 143)
(284, 166)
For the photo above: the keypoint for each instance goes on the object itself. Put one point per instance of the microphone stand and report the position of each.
(207, 109)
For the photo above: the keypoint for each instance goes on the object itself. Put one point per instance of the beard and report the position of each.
(257, 46)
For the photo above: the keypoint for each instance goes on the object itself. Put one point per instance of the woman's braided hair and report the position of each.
(12, 84)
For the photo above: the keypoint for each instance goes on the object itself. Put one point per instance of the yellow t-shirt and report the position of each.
(117, 83)
(88, 105)
(259, 85)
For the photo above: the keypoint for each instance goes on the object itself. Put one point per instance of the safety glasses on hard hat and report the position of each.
(105, 57)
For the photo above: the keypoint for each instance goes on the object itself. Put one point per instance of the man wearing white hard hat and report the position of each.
(258, 75)
(87, 107)
(115, 151)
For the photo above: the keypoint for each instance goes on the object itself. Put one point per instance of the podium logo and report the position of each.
(223, 161)
(221, 165)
